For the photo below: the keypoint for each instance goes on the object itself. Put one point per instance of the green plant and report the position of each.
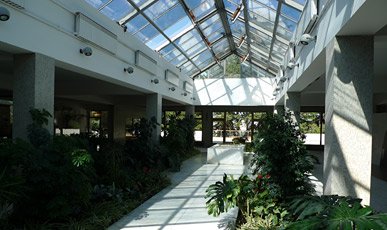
(222, 195)
(178, 140)
(265, 217)
(334, 212)
(279, 151)
(38, 135)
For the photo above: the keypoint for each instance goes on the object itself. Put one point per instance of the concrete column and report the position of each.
(207, 128)
(119, 123)
(292, 105)
(348, 116)
(154, 109)
(189, 111)
(33, 87)
(279, 109)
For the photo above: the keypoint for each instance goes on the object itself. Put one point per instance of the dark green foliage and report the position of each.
(66, 182)
(334, 212)
(280, 151)
(38, 135)
(178, 140)
(142, 149)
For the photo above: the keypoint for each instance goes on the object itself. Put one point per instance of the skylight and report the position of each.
(196, 35)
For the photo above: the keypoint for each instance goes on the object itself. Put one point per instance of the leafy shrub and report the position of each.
(279, 151)
(45, 179)
(334, 212)
(179, 140)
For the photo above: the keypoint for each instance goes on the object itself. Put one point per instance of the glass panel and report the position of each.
(193, 3)
(311, 125)
(172, 54)
(97, 3)
(178, 60)
(261, 22)
(171, 17)
(218, 134)
(290, 12)
(216, 35)
(188, 40)
(206, 63)
(159, 8)
(237, 28)
(187, 67)
(203, 9)
(230, 5)
(238, 127)
(202, 57)
(209, 21)
(136, 24)
(195, 49)
(214, 27)
(284, 33)
(214, 72)
(263, 11)
(167, 49)
(147, 33)
(157, 42)
(270, 3)
(198, 126)
(142, 3)
(286, 23)
(178, 28)
(117, 9)
(221, 47)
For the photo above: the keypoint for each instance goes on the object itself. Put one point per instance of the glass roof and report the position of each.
(195, 35)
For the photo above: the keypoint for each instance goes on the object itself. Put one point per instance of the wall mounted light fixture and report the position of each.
(129, 70)
(292, 64)
(87, 51)
(155, 81)
(172, 89)
(4, 14)
(307, 38)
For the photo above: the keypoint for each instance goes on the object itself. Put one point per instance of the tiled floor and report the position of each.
(182, 204)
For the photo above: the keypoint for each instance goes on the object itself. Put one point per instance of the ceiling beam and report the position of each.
(204, 38)
(247, 28)
(160, 31)
(227, 29)
(274, 31)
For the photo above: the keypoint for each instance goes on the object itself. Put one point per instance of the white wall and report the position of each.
(234, 91)
(47, 27)
(339, 17)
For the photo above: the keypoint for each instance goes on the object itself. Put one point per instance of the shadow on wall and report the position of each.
(235, 91)
(348, 149)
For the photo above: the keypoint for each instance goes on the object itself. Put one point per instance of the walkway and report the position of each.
(182, 205)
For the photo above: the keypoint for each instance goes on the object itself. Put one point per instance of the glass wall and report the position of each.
(313, 126)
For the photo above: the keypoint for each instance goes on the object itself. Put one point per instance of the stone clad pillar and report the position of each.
(119, 123)
(279, 109)
(348, 116)
(33, 87)
(154, 109)
(293, 105)
(189, 111)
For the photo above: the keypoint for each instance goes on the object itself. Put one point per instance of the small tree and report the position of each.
(280, 152)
